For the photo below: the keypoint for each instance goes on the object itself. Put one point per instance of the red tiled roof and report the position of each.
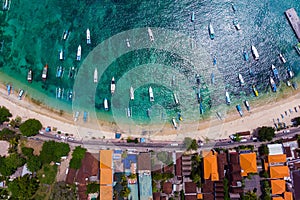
(208, 186)
(234, 158)
(71, 176)
(190, 187)
(190, 197)
(167, 188)
(178, 164)
(156, 196)
(288, 151)
(296, 181)
(208, 196)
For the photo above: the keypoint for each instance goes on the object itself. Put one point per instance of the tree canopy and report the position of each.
(266, 133)
(77, 156)
(53, 151)
(10, 164)
(23, 188)
(4, 114)
(30, 127)
(61, 191)
(7, 134)
(190, 144)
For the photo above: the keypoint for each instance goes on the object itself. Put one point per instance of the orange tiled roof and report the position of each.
(278, 186)
(106, 192)
(106, 167)
(279, 172)
(248, 163)
(211, 167)
(199, 196)
(288, 196)
(280, 158)
(277, 198)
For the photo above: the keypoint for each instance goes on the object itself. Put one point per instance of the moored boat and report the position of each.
(59, 93)
(215, 60)
(128, 43)
(290, 73)
(241, 79)
(72, 72)
(21, 93)
(288, 83)
(239, 109)
(112, 85)
(227, 98)
(150, 33)
(273, 84)
(275, 72)
(70, 95)
(247, 105)
(76, 116)
(282, 58)
(212, 77)
(6, 4)
(199, 98)
(29, 76)
(297, 47)
(65, 35)
(78, 55)
(175, 99)
(88, 36)
(61, 55)
(211, 31)
(193, 17)
(255, 91)
(105, 104)
(8, 87)
(174, 123)
(234, 8)
(131, 92)
(245, 55)
(151, 96)
(45, 72)
(128, 112)
(95, 75)
(236, 24)
(255, 52)
(59, 71)
(201, 109)
(198, 79)
(251, 73)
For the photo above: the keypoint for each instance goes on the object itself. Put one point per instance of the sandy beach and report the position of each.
(260, 115)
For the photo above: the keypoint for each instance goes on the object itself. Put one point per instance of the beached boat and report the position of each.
(112, 85)
(150, 33)
(59, 93)
(198, 79)
(6, 4)
(8, 87)
(29, 76)
(275, 72)
(61, 55)
(201, 109)
(45, 72)
(88, 36)
(193, 17)
(290, 73)
(212, 77)
(295, 85)
(59, 72)
(227, 98)
(199, 98)
(174, 123)
(215, 61)
(239, 109)
(297, 47)
(247, 105)
(288, 83)
(236, 24)
(234, 8)
(175, 99)
(78, 55)
(148, 112)
(95, 75)
(211, 31)
(282, 58)
(251, 73)
(85, 116)
(128, 112)
(151, 96)
(76, 116)
(241, 79)
(128, 43)
(72, 72)
(255, 52)
(65, 34)
(179, 116)
(245, 55)
(255, 91)
(131, 92)
(21, 93)
(105, 104)
(273, 84)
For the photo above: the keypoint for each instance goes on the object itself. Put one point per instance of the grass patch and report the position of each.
(47, 174)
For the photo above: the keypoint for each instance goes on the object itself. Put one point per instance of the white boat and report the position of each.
(6, 5)
(193, 17)
(150, 35)
(236, 24)
(282, 58)
(127, 43)
(175, 99)
(151, 94)
(227, 98)
(61, 55)
(29, 76)
(131, 93)
(112, 85)
(105, 104)
(45, 72)
(128, 112)
(78, 55)
(254, 52)
(88, 36)
(65, 35)
(21, 92)
(211, 31)
(95, 75)
(241, 79)
(174, 123)
(76, 116)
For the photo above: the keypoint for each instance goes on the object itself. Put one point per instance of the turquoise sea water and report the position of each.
(32, 34)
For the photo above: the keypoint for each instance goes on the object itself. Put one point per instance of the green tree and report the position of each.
(263, 150)
(28, 152)
(266, 133)
(10, 164)
(53, 151)
(30, 127)
(93, 188)
(7, 134)
(226, 189)
(62, 191)
(77, 156)
(4, 114)
(164, 157)
(16, 122)
(250, 195)
(23, 188)
(125, 192)
(34, 163)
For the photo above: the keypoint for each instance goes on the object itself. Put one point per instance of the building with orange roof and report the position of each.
(279, 172)
(248, 163)
(278, 186)
(277, 198)
(210, 166)
(288, 196)
(106, 174)
(279, 158)
(106, 192)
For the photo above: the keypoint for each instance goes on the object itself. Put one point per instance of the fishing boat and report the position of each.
(21, 92)
(227, 98)
(131, 93)
(59, 71)
(255, 52)
(179, 116)
(78, 55)
(65, 34)
(127, 43)
(288, 83)
(282, 58)
(211, 31)
(198, 79)
(148, 112)
(8, 87)
(175, 99)
(29, 76)
(193, 17)
(95, 75)
(128, 112)
(201, 109)
(112, 85)
(236, 24)
(290, 73)
(72, 72)
(59, 93)
(275, 72)
(199, 98)
(239, 109)
(297, 47)
(214, 61)
(245, 55)
(70, 95)
(150, 35)
(247, 105)
(6, 4)
(88, 36)
(234, 8)
(61, 55)
(255, 91)
(85, 116)
(241, 79)
(295, 85)
(212, 77)
(151, 96)
(105, 104)
(273, 84)
(45, 72)
(251, 73)
(76, 116)
(174, 123)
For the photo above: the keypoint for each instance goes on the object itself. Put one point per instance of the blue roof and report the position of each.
(145, 186)
(118, 135)
(119, 151)
(129, 159)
